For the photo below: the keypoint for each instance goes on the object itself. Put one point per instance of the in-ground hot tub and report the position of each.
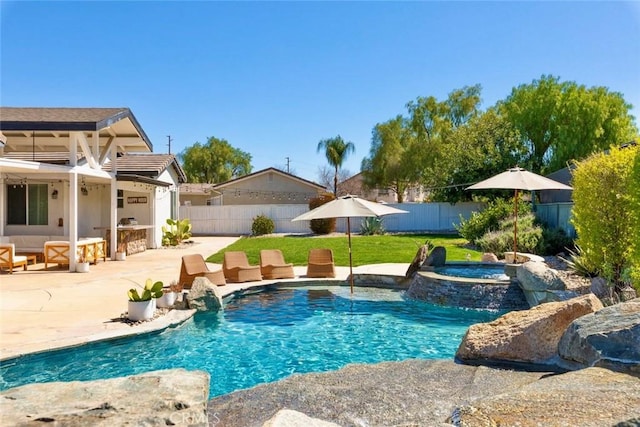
(474, 285)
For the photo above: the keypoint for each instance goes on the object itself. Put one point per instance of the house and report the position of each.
(201, 194)
(355, 186)
(264, 187)
(69, 173)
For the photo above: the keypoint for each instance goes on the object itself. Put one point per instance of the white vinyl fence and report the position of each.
(237, 220)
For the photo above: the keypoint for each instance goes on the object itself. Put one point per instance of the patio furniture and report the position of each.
(273, 265)
(236, 268)
(89, 250)
(194, 266)
(320, 263)
(9, 259)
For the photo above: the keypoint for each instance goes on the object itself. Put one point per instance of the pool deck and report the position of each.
(47, 309)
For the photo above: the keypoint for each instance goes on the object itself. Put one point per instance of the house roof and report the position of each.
(146, 165)
(47, 127)
(265, 171)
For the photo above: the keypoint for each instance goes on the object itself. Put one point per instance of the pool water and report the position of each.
(474, 271)
(267, 336)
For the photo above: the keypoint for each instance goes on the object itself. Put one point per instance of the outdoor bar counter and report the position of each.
(132, 239)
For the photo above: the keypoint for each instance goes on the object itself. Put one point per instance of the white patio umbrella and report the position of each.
(348, 207)
(518, 179)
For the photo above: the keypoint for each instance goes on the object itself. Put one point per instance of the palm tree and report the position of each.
(336, 150)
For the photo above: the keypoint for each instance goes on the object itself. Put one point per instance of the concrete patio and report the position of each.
(46, 309)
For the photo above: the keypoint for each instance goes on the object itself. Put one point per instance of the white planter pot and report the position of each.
(121, 256)
(82, 267)
(141, 310)
(167, 299)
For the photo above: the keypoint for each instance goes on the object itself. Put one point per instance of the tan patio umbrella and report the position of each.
(518, 179)
(348, 207)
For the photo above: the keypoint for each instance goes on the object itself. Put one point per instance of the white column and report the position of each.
(3, 197)
(73, 220)
(113, 210)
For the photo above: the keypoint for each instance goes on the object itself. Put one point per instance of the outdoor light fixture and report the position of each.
(54, 194)
(84, 191)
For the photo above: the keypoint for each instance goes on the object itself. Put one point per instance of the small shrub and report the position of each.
(262, 225)
(500, 241)
(371, 225)
(322, 226)
(554, 241)
(489, 219)
(580, 264)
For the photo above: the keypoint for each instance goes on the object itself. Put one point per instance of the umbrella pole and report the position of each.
(350, 259)
(515, 230)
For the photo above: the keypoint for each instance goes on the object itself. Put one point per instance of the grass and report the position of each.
(391, 248)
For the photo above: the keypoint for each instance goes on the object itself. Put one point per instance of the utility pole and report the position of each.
(288, 160)
(169, 143)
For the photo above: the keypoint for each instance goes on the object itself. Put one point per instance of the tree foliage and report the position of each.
(563, 121)
(392, 157)
(605, 212)
(336, 150)
(214, 162)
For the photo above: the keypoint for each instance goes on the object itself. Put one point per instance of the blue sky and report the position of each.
(274, 78)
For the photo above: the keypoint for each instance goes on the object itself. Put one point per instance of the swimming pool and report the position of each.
(266, 336)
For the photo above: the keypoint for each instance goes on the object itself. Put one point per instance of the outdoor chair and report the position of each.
(194, 266)
(320, 263)
(9, 259)
(273, 266)
(236, 268)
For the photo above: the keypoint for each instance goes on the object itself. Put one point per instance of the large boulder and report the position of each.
(438, 393)
(571, 399)
(417, 262)
(608, 338)
(204, 295)
(541, 284)
(171, 397)
(437, 257)
(529, 336)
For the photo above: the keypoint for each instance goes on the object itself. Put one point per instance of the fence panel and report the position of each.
(556, 215)
(237, 220)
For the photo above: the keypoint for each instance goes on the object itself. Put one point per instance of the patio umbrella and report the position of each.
(518, 179)
(348, 207)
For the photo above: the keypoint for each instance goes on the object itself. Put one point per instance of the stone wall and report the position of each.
(467, 293)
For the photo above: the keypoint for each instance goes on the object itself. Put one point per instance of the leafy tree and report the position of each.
(605, 212)
(392, 157)
(217, 161)
(563, 121)
(434, 121)
(486, 145)
(336, 150)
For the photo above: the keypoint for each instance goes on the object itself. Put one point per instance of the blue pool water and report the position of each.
(474, 271)
(267, 336)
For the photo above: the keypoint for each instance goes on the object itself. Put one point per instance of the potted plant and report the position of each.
(82, 266)
(121, 252)
(143, 306)
(169, 295)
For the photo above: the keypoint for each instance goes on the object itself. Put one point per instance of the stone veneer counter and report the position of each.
(132, 237)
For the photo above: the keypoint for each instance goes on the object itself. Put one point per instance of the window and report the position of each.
(28, 204)
(120, 199)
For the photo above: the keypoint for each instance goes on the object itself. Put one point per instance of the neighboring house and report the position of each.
(199, 195)
(354, 186)
(67, 173)
(265, 187)
(559, 196)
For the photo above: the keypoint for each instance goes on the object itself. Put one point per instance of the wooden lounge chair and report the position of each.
(320, 263)
(9, 259)
(236, 268)
(273, 266)
(194, 266)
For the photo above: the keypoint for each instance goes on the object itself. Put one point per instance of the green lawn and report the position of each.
(399, 248)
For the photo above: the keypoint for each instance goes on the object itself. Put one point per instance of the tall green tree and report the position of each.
(563, 121)
(434, 122)
(392, 157)
(485, 146)
(336, 150)
(214, 162)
